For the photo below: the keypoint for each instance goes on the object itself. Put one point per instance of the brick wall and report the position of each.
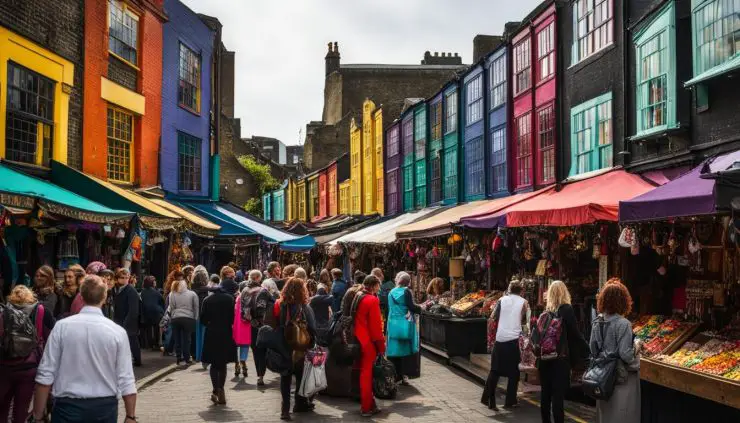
(148, 127)
(58, 26)
(122, 73)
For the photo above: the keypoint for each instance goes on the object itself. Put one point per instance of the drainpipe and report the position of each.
(560, 69)
(215, 158)
(626, 158)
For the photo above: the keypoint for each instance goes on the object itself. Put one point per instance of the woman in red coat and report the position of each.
(369, 333)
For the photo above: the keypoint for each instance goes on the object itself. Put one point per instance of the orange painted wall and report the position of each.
(148, 127)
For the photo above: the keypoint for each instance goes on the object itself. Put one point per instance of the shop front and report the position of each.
(683, 255)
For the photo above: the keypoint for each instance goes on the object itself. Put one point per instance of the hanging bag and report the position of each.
(384, 379)
(296, 330)
(601, 376)
(314, 373)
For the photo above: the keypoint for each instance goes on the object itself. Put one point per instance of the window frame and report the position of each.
(197, 79)
(393, 191)
(197, 159)
(474, 100)
(698, 6)
(541, 151)
(578, 55)
(523, 176)
(394, 144)
(131, 145)
(498, 158)
(436, 120)
(42, 118)
(546, 34)
(407, 140)
(450, 100)
(663, 23)
(522, 57)
(497, 84)
(420, 133)
(591, 129)
(135, 15)
(475, 165)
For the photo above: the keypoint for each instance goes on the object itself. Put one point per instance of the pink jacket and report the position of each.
(242, 331)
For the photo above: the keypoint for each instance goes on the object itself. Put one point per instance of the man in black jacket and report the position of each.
(126, 312)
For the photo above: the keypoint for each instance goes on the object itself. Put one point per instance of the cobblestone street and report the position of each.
(441, 394)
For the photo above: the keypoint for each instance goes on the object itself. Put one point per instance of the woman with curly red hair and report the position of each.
(293, 306)
(612, 334)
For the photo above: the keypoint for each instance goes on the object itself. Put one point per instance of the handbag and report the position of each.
(296, 331)
(600, 377)
(384, 379)
(167, 316)
(314, 373)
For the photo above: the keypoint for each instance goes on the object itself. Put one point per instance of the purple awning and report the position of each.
(687, 195)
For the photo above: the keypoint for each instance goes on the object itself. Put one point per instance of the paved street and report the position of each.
(151, 362)
(441, 394)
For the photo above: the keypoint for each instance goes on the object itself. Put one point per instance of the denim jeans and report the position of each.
(73, 410)
(243, 352)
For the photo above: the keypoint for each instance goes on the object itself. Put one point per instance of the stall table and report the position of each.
(455, 336)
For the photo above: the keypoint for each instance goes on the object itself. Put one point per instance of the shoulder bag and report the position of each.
(600, 377)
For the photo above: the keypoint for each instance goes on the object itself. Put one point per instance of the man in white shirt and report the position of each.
(87, 365)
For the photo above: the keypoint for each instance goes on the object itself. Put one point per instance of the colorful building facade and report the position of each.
(355, 169)
(451, 144)
(407, 160)
(474, 134)
(185, 158)
(420, 155)
(393, 193)
(535, 131)
(122, 104)
(497, 130)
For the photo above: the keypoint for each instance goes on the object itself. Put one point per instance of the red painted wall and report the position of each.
(538, 97)
(147, 128)
(332, 189)
(323, 195)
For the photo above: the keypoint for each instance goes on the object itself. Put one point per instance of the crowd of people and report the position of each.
(96, 319)
(611, 336)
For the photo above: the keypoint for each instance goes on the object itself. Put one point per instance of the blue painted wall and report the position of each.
(474, 139)
(185, 27)
(497, 121)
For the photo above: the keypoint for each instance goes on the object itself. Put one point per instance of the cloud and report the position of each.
(280, 46)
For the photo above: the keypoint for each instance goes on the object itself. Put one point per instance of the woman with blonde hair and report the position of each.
(184, 309)
(17, 375)
(571, 350)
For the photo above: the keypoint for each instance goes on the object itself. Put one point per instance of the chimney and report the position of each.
(510, 27)
(484, 44)
(332, 58)
(445, 58)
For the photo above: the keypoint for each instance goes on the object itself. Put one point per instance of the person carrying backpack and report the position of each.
(511, 315)
(558, 346)
(385, 289)
(296, 320)
(24, 326)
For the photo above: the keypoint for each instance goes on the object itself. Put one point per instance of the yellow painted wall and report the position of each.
(313, 196)
(368, 158)
(290, 213)
(379, 172)
(344, 196)
(300, 192)
(34, 57)
(355, 169)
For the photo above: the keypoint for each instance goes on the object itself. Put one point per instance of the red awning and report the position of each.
(578, 202)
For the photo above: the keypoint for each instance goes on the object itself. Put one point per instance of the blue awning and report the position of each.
(237, 222)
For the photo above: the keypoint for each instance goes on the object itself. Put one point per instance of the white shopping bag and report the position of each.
(314, 380)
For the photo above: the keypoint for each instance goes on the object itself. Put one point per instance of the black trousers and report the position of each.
(133, 342)
(398, 364)
(504, 363)
(555, 379)
(72, 410)
(150, 336)
(218, 375)
(259, 354)
(285, 382)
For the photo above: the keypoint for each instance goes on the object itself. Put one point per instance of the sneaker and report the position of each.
(370, 413)
(214, 397)
(205, 366)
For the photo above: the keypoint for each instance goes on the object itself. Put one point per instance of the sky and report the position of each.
(280, 46)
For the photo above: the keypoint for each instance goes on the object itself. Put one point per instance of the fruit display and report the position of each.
(466, 303)
(708, 353)
(667, 332)
(489, 304)
(733, 374)
(719, 364)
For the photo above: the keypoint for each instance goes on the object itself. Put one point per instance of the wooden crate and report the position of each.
(713, 388)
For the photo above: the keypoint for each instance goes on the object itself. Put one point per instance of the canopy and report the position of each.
(237, 222)
(442, 223)
(688, 195)
(20, 191)
(384, 231)
(576, 203)
(196, 223)
(152, 215)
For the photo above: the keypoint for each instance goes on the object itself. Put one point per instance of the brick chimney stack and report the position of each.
(332, 58)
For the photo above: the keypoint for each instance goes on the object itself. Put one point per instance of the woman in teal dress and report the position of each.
(403, 338)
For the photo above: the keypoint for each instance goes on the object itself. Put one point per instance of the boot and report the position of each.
(285, 412)
(244, 368)
(236, 370)
(221, 396)
(214, 397)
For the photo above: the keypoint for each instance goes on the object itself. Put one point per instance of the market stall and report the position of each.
(43, 223)
(684, 255)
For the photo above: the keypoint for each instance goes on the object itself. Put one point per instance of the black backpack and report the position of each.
(344, 348)
(385, 289)
(19, 337)
(601, 376)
